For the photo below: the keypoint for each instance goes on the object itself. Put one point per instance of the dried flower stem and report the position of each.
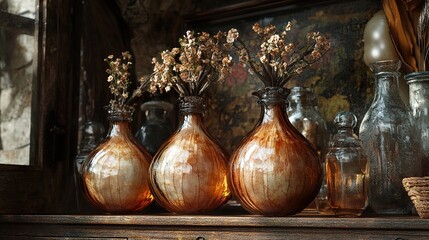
(119, 82)
(278, 61)
(239, 44)
(422, 36)
(201, 61)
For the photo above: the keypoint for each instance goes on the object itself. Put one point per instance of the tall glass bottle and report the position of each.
(418, 83)
(390, 141)
(304, 115)
(347, 169)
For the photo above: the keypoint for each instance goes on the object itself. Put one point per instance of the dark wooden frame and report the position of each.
(40, 186)
(16, 23)
(249, 9)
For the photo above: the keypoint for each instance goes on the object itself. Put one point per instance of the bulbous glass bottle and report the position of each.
(390, 140)
(418, 83)
(347, 169)
(275, 171)
(155, 130)
(188, 175)
(115, 173)
(304, 115)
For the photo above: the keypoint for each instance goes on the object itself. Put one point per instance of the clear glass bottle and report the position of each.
(92, 135)
(391, 142)
(303, 113)
(347, 169)
(156, 129)
(418, 83)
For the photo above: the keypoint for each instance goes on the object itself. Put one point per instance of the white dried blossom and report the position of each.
(119, 82)
(190, 69)
(278, 60)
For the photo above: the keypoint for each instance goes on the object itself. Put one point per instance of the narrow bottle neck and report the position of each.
(302, 98)
(191, 110)
(272, 100)
(387, 89)
(120, 122)
(93, 134)
(300, 105)
(345, 138)
(120, 128)
(386, 74)
(271, 112)
(190, 120)
(345, 131)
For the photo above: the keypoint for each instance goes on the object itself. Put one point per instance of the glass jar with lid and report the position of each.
(347, 169)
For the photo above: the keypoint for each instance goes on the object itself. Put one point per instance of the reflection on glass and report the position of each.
(16, 75)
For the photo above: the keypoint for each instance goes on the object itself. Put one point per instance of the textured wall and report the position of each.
(156, 25)
(341, 80)
(343, 83)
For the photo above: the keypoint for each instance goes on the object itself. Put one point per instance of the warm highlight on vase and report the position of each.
(189, 173)
(275, 171)
(115, 174)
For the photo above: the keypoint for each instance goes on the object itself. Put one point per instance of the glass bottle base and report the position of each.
(347, 213)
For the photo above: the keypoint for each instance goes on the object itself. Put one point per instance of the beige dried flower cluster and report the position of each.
(278, 60)
(199, 62)
(119, 82)
(203, 60)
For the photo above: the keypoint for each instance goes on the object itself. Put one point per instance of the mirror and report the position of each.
(17, 60)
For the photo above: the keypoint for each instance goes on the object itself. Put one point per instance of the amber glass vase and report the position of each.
(115, 174)
(188, 175)
(275, 171)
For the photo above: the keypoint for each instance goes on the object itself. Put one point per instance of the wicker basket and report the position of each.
(418, 190)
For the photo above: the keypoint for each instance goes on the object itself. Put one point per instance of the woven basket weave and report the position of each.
(418, 190)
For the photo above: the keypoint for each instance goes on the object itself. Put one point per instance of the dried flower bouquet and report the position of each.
(199, 62)
(119, 82)
(278, 60)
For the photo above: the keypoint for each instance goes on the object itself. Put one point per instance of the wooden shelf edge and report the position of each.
(298, 221)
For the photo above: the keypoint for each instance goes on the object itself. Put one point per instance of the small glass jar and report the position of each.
(418, 83)
(347, 169)
(156, 128)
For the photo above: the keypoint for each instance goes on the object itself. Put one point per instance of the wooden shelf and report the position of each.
(243, 226)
